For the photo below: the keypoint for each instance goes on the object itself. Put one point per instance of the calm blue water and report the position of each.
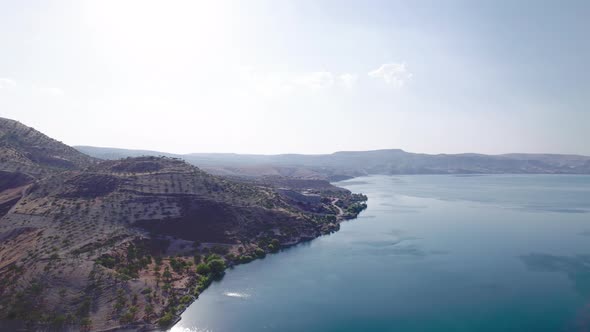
(431, 253)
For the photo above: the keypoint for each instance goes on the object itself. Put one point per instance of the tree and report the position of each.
(274, 245)
(217, 266)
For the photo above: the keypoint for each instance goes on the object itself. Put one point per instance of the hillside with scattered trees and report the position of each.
(95, 245)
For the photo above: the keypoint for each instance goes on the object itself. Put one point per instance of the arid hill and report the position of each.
(132, 242)
(26, 150)
(26, 155)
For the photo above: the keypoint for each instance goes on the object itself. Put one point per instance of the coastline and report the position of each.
(301, 239)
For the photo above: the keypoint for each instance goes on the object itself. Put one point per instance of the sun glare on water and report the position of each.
(238, 295)
(188, 329)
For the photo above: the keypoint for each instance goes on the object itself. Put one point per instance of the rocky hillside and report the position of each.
(132, 242)
(27, 155)
(28, 151)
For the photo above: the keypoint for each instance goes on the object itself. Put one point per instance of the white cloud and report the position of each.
(6, 83)
(348, 80)
(392, 73)
(52, 92)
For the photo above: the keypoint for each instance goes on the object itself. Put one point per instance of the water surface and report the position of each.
(431, 253)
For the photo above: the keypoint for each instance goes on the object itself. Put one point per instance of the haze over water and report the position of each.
(431, 253)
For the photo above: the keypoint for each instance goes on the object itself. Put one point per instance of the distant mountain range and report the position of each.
(346, 164)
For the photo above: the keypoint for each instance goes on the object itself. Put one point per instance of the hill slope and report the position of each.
(26, 154)
(132, 242)
(26, 150)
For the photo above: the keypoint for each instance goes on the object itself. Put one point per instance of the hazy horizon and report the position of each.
(264, 77)
(326, 153)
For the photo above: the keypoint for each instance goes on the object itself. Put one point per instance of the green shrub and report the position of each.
(177, 264)
(166, 319)
(259, 252)
(212, 257)
(203, 268)
(356, 208)
(274, 245)
(107, 261)
(245, 259)
(203, 282)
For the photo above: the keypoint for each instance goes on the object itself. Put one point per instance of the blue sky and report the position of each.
(301, 76)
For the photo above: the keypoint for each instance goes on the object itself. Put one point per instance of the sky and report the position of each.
(281, 76)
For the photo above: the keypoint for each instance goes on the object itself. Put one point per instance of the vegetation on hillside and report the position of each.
(132, 242)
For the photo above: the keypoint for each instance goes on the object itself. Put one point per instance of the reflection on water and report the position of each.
(577, 268)
(237, 295)
(189, 329)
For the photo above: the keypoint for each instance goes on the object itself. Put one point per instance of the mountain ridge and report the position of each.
(346, 164)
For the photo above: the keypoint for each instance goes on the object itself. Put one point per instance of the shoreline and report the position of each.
(145, 282)
(178, 316)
